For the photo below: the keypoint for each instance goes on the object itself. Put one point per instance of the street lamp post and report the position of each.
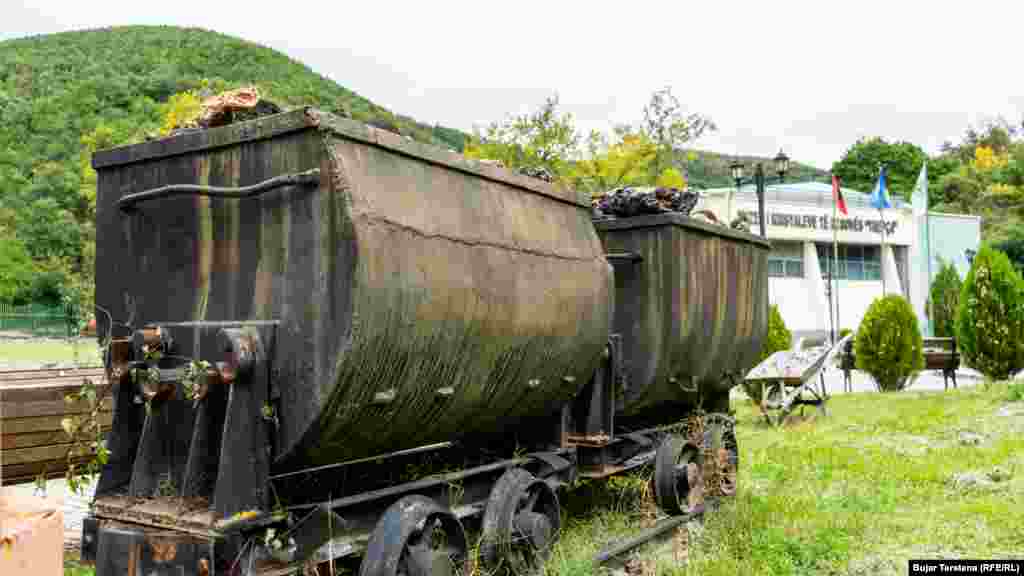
(759, 180)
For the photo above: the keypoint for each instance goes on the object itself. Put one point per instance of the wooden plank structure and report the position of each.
(791, 378)
(941, 354)
(32, 405)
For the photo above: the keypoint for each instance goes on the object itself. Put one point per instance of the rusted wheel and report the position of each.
(720, 443)
(678, 481)
(521, 523)
(416, 537)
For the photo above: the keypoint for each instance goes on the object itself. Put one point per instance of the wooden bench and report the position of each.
(941, 354)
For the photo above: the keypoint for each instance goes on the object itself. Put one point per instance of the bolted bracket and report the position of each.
(244, 467)
(243, 348)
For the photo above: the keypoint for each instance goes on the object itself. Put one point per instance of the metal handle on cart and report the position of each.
(309, 177)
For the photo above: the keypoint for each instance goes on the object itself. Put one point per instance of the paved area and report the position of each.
(926, 380)
(75, 506)
(929, 380)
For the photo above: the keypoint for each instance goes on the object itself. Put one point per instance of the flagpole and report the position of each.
(882, 259)
(928, 254)
(834, 287)
(880, 193)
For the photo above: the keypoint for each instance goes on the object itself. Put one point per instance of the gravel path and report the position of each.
(927, 380)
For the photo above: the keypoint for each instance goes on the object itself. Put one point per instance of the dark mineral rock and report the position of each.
(538, 172)
(629, 201)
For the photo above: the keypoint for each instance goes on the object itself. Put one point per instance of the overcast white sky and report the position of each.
(808, 77)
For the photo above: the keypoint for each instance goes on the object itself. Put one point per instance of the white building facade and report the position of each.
(878, 253)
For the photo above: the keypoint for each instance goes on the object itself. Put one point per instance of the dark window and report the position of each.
(856, 262)
(786, 260)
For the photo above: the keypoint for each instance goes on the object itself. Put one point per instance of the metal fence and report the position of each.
(38, 320)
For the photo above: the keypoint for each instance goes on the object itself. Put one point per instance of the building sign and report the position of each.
(821, 222)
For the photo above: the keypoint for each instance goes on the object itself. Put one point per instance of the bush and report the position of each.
(943, 299)
(990, 318)
(888, 345)
(15, 270)
(1013, 247)
(779, 338)
(843, 332)
(1015, 392)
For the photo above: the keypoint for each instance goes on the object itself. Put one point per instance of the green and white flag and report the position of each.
(920, 253)
(919, 199)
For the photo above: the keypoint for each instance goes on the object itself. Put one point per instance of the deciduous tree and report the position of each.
(544, 138)
(859, 166)
(671, 128)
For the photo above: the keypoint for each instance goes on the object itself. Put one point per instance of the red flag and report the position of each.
(838, 195)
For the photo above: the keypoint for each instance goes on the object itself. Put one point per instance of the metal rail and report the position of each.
(660, 528)
(416, 450)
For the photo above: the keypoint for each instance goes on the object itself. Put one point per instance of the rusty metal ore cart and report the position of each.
(328, 342)
(791, 378)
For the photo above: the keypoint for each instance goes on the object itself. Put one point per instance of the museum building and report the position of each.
(799, 219)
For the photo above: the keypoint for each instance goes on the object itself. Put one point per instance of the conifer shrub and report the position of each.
(990, 317)
(779, 338)
(943, 299)
(888, 344)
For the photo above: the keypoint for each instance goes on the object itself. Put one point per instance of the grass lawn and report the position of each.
(80, 351)
(857, 493)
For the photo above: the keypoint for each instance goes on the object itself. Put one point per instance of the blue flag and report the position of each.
(879, 198)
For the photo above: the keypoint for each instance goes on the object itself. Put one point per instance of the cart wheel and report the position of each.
(678, 480)
(416, 537)
(773, 405)
(720, 441)
(521, 523)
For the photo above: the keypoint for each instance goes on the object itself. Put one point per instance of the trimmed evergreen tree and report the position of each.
(888, 344)
(990, 317)
(944, 298)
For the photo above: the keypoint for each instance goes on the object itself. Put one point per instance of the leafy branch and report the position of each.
(85, 430)
(194, 380)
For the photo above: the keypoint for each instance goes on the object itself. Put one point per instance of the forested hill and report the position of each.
(706, 169)
(64, 95)
(56, 87)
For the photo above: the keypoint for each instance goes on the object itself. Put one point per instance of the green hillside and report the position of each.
(711, 170)
(64, 95)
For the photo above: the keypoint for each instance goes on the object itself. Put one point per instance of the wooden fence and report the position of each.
(39, 319)
(32, 405)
